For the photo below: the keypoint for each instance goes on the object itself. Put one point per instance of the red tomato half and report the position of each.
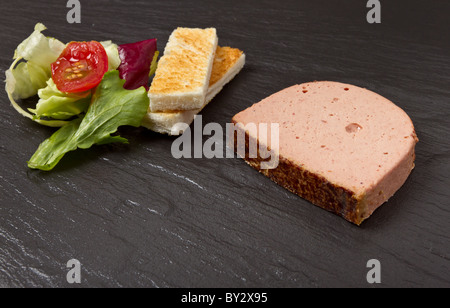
(80, 67)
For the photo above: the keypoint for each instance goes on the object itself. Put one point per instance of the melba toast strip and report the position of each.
(182, 78)
(228, 62)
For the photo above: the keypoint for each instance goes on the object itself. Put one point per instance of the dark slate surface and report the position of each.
(136, 217)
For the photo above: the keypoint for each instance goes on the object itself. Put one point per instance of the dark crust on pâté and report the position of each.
(308, 185)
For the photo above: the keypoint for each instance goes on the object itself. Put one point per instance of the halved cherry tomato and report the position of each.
(80, 67)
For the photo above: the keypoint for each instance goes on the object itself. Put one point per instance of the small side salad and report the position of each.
(87, 89)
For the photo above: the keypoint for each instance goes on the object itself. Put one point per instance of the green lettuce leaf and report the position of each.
(40, 49)
(154, 64)
(112, 106)
(58, 105)
(31, 69)
(113, 55)
(39, 52)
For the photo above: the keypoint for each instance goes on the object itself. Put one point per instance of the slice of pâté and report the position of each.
(341, 147)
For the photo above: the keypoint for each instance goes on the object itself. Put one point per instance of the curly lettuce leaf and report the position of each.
(39, 52)
(18, 81)
(112, 106)
(112, 50)
(40, 49)
(31, 69)
(58, 105)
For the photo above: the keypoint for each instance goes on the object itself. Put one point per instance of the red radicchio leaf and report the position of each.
(136, 59)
